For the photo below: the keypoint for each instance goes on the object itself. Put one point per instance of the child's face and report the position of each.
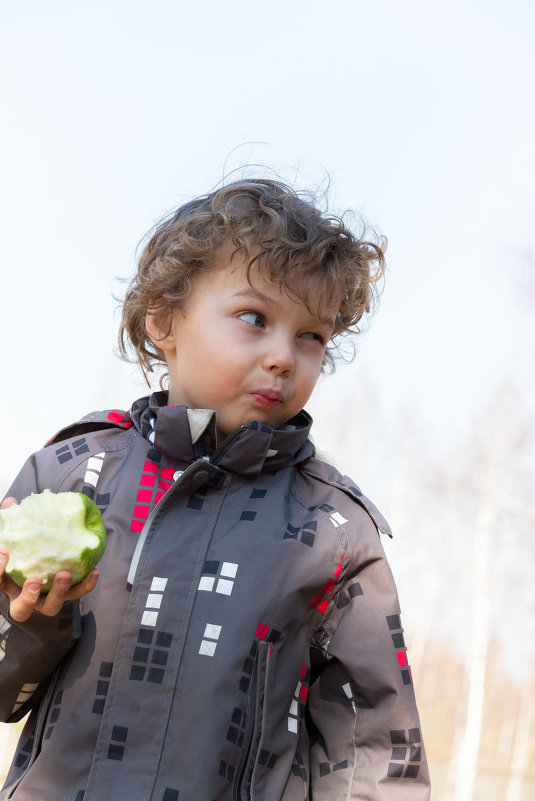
(248, 352)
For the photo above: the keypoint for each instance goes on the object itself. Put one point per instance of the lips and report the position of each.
(268, 398)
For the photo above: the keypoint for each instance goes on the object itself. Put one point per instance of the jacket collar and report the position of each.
(186, 435)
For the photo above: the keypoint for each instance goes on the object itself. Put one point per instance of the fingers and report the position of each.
(7, 585)
(85, 586)
(51, 603)
(4, 557)
(23, 601)
(61, 591)
(26, 601)
(29, 599)
(8, 502)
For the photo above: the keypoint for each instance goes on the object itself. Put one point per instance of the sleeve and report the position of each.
(31, 651)
(364, 729)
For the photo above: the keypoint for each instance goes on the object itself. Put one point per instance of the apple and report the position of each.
(50, 531)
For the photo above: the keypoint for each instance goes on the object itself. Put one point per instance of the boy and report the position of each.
(243, 640)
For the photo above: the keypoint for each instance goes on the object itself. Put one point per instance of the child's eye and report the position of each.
(313, 335)
(253, 318)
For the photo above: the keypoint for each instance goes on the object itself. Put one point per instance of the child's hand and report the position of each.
(28, 599)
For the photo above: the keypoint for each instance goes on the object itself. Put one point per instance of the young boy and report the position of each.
(243, 640)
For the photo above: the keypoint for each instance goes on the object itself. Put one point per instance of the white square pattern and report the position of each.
(211, 636)
(154, 601)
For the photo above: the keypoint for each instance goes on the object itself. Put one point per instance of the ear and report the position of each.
(160, 327)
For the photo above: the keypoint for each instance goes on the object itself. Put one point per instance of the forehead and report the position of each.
(313, 286)
(258, 280)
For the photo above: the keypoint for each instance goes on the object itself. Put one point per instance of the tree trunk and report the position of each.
(468, 741)
(521, 747)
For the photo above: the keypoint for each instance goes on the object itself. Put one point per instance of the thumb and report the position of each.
(7, 502)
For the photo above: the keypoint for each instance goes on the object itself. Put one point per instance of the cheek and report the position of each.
(308, 380)
(220, 367)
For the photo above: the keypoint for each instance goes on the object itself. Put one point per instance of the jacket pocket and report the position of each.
(253, 730)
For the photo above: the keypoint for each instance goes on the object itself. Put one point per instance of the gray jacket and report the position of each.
(243, 641)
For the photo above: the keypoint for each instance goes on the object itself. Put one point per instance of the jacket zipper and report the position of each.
(248, 739)
(224, 445)
(256, 704)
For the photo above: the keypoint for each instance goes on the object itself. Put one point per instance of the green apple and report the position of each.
(48, 532)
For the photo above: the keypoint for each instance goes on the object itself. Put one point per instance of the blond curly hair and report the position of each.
(300, 249)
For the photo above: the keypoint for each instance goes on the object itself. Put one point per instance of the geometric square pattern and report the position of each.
(326, 768)
(154, 601)
(153, 484)
(68, 452)
(24, 754)
(337, 520)
(263, 634)
(305, 533)
(256, 494)
(298, 768)
(299, 702)
(116, 747)
(54, 713)
(151, 655)
(121, 418)
(236, 732)
(169, 794)
(218, 576)
(196, 500)
(226, 770)
(335, 517)
(26, 692)
(101, 499)
(5, 628)
(353, 591)
(210, 638)
(103, 684)
(322, 599)
(92, 473)
(394, 624)
(267, 758)
(406, 754)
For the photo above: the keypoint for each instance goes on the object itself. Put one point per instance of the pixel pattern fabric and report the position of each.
(244, 638)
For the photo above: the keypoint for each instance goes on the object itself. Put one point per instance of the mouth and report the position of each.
(267, 398)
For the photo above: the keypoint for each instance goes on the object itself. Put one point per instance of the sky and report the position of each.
(418, 116)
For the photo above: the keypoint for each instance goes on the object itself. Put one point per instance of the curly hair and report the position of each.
(302, 251)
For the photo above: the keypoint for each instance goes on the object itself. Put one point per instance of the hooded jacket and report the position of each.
(243, 641)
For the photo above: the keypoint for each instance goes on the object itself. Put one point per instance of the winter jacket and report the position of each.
(244, 638)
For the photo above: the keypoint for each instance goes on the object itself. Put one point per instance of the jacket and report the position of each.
(244, 639)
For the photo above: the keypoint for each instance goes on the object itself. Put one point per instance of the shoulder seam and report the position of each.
(83, 427)
(361, 500)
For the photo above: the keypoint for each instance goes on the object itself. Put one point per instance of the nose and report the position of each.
(279, 357)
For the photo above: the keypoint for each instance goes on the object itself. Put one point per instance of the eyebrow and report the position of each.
(251, 292)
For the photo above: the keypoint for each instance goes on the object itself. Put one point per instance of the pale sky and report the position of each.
(115, 112)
